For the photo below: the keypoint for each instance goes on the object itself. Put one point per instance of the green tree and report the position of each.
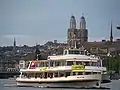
(112, 63)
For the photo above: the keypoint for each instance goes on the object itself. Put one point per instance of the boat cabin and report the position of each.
(75, 51)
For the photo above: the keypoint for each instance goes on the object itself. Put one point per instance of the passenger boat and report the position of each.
(75, 68)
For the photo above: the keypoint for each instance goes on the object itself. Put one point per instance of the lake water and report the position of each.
(9, 84)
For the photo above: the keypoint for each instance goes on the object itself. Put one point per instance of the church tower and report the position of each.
(83, 32)
(82, 23)
(77, 35)
(72, 32)
(14, 46)
(72, 22)
(111, 34)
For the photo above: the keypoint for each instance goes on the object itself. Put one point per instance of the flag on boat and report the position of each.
(33, 64)
(99, 63)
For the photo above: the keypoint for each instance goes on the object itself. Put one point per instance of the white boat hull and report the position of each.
(71, 81)
(68, 84)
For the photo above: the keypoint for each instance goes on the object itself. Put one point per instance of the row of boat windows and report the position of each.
(75, 52)
(64, 63)
(56, 74)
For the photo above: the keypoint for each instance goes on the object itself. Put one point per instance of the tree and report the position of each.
(112, 63)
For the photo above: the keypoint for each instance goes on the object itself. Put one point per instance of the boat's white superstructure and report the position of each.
(72, 69)
(83, 56)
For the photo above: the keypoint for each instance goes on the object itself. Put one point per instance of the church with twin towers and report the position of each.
(77, 35)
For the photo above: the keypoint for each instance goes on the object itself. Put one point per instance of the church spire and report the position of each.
(72, 22)
(111, 34)
(82, 22)
(14, 46)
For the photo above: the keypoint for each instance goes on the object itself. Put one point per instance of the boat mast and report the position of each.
(37, 53)
(75, 40)
(75, 44)
(37, 57)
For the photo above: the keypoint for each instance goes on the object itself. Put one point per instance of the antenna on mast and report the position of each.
(75, 40)
(75, 44)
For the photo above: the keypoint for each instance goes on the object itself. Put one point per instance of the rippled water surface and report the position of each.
(10, 84)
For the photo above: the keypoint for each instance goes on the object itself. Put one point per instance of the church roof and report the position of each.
(82, 17)
(72, 16)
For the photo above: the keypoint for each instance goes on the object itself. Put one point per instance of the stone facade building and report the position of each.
(77, 35)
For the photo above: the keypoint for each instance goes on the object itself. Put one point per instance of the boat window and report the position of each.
(94, 72)
(45, 74)
(80, 73)
(69, 63)
(67, 74)
(94, 63)
(99, 72)
(41, 64)
(41, 75)
(78, 62)
(82, 52)
(56, 74)
(50, 75)
(36, 75)
(31, 75)
(57, 63)
(46, 64)
(87, 73)
(74, 52)
(61, 74)
(24, 74)
(87, 63)
(74, 73)
(51, 63)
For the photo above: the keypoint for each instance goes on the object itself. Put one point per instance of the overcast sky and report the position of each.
(38, 21)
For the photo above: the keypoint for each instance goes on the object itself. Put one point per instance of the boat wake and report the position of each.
(14, 85)
(10, 85)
